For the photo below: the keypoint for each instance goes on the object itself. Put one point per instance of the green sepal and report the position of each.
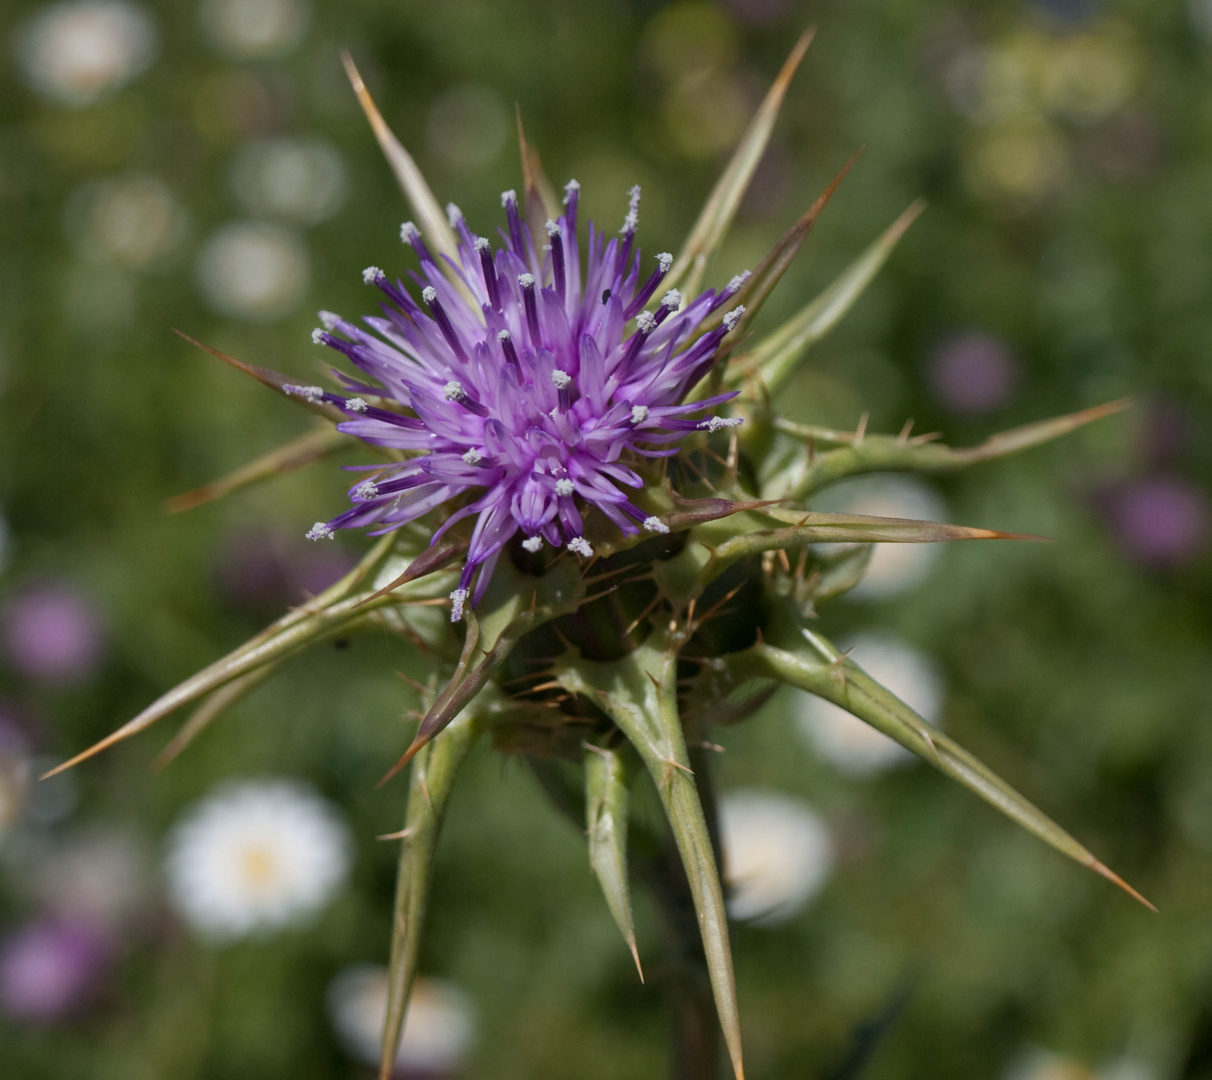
(340, 609)
(711, 549)
(639, 693)
(820, 668)
(432, 779)
(434, 227)
(860, 453)
(315, 445)
(211, 709)
(275, 380)
(607, 809)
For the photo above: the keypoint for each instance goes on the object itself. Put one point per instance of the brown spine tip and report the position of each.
(635, 955)
(1115, 879)
(405, 758)
(96, 748)
(792, 62)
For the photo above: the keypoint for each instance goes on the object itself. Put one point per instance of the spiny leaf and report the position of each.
(887, 453)
(721, 206)
(438, 233)
(817, 527)
(314, 446)
(210, 710)
(607, 805)
(639, 693)
(275, 380)
(333, 611)
(824, 671)
(433, 776)
(774, 360)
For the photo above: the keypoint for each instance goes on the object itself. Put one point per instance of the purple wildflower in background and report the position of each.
(973, 374)
(1161, 520)
(524, 387)
(49, 969)
(53, 632)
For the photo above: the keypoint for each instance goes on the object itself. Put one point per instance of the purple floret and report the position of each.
(533, 400)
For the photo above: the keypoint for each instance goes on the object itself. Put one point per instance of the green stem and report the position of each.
(694, 1024)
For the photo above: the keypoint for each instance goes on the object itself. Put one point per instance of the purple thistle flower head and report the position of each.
(524, 386)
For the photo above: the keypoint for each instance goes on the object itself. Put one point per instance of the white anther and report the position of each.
(645, 322)
(453, 391)
(560, 378)
(569, 188)
(409, 232)
(578, 545)
(314, 394)
(473, 457)
(429, 294)
(633, 211)
(367, 489)
(328, 319)
(508, 197)
(714, 423)
(737, 283)
(639, 413)
(664, 261)
(564, 487)
(372, 274)
(503, 335)
(526, 280)
(532, 543)
(672, 300)
(457, 599)
(483, 243)
(733, 317)
(317, 336)
(656, 525)
(320, 531)
(552, 227)
(356, 404)
(453, 214)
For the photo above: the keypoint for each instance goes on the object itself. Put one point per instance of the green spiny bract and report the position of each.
(618, 664)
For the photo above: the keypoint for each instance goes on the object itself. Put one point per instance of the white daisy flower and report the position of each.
(78, 51)
(777, 854)
(1037, 1063)
(439, 1030)
(857, 748)
(256, 856)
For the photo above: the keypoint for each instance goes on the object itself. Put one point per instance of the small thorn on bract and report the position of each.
(635, 955)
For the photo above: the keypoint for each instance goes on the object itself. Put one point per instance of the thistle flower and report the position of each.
(559, 403)
(531, 392)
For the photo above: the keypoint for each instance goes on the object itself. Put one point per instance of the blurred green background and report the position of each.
(206, 167)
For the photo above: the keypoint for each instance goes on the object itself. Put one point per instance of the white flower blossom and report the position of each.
(256, 856)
